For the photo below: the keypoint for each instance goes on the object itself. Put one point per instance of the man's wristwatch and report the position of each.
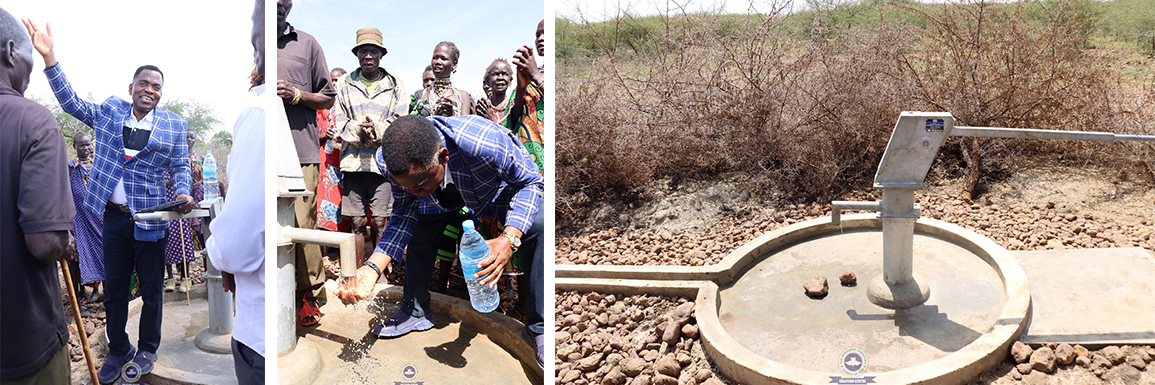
(514, 241)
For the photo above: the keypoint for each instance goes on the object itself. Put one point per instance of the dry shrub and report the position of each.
(691, 95)
(1024, 65)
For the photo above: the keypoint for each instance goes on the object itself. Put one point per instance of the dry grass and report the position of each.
(809, 114)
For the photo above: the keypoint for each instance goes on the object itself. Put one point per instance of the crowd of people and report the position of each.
(403, 167)
(137, 156)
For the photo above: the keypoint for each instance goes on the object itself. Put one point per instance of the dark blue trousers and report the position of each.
(248, 364)
(123, 253)
(429, 237)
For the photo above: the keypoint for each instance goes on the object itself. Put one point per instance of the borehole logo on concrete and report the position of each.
(853, 363)
(131, 372)
(409, 372)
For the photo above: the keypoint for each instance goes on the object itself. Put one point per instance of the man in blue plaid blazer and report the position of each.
(135, 144)
(438, 166)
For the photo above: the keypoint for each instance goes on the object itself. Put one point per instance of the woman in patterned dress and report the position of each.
(179, 248)
(497, 104)
(329, 182)
(86, 228)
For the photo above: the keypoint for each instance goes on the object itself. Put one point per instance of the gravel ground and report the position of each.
(1015, 227)
(604, 339)
(1066, 364)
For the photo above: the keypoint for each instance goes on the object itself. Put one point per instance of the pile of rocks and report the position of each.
(634, 340)
(1018, 227)
(1112, 361)
(92, 316)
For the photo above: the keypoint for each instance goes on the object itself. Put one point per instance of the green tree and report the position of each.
(199, 115)
(222, 138)
(69, 125)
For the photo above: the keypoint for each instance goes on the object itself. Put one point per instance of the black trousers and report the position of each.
(122, 254)
(442, 232)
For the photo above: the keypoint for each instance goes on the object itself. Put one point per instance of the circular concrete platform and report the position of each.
(768, 312)
(768, 330)
(463, 347)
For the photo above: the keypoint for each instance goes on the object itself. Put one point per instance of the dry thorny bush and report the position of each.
(811, 115)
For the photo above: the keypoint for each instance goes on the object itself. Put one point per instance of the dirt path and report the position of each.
(1094, 191)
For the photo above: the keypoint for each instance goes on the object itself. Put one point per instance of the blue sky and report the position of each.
(205, 53)
(482, 30)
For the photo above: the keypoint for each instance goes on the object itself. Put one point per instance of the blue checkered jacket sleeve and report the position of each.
(81, 109)
(500, 169)
(178, 164)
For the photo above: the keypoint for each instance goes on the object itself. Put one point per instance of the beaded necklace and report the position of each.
(443, 88)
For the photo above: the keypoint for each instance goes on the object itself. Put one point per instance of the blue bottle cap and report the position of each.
(467, 225)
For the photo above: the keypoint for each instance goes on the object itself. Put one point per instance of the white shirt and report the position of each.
(118, 195)
(237, 244)
(448, 179)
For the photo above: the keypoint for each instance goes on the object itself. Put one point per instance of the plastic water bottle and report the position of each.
(474, 250)
(212, 191)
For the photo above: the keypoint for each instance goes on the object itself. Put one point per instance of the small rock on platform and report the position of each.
(816, 287)
(848, 278)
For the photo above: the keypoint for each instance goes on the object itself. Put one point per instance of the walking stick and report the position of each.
(79, 323)
(188, 301)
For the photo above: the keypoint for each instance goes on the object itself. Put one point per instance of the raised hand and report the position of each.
(42, 41)
(526, 65)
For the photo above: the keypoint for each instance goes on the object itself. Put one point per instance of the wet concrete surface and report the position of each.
(449, 353)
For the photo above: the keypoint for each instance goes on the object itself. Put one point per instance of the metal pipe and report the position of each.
(170, 215)
(836, 208)
(1031, 133)
(1137, 138)
(345, 241)
(220, 301)
(286, 321)
(897, 235)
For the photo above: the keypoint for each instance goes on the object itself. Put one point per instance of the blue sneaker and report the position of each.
(401, 324)
(139, 366)
(538, 343)
(113, 366)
